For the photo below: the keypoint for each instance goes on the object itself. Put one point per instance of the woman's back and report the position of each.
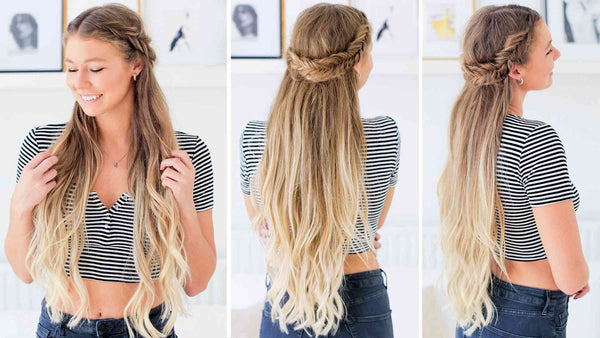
(381, 165)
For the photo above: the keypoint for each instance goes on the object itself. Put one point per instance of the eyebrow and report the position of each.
(88, 60)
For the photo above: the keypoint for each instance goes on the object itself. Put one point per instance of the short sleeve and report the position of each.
(543, 168)
(29, 149)
(203, 180)
(394, 176)
(244, 174)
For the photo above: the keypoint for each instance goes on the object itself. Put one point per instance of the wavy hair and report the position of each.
(309, 184)
(59, 218)
(472, 218)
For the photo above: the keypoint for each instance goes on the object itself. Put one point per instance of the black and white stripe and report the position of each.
(531, 172)
(108, 249)
(382, 161)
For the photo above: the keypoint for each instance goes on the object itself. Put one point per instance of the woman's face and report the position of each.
(537, 71)
(24, 27)
(364, 67)
(98, 75)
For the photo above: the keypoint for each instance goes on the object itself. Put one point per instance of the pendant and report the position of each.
(116, 164)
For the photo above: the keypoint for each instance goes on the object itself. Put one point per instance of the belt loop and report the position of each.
(385, 281)
(544, 311)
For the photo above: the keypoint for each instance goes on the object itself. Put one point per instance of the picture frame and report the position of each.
(32, 41)
(257, 29)
(444, 22)
(187, 32)
(389, 20)
(575, 29)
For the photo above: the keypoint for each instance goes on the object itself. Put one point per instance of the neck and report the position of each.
(516, 102)
(114, 126)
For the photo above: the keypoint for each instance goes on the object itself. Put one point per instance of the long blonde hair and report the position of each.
(59, 219)
(309, 185)
(471, 210)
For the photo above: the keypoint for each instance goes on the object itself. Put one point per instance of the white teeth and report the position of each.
(90, 98)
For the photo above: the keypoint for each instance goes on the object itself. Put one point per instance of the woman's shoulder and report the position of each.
(532, 132)
(190, 142)
(45, 135)
(380, 127)
(254, 129)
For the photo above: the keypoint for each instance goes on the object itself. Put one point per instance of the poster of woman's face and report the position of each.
(256, 28)
(24, 30)
(245, 21)
(31, 38)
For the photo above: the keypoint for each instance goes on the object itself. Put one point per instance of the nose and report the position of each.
(557, 54)
(78, 80)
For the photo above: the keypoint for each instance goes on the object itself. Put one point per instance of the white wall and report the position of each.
(197, 102)
(392, 92)
(571, 107)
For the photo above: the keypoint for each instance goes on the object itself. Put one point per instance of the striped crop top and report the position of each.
(107, 253)
(382, 160)
(531, 172)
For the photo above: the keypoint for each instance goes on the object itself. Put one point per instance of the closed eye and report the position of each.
(96, 70)
(550, 51)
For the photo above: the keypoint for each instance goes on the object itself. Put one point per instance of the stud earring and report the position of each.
(134, 77)
(521, 82)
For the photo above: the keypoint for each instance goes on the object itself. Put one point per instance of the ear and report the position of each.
(138, 65)
(516, 72)
(355, 67)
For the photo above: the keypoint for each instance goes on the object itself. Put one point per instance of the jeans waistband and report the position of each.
(107, 325)
(532, 295)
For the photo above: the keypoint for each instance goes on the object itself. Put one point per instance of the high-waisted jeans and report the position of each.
(367, 315)
(525, 312)
(100, 328)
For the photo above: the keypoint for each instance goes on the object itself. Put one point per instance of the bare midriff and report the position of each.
(365, 261)
(108, 299)
(533, 274)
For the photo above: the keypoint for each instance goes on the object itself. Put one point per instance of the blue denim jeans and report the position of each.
(368, 311)
(525, 312)
(100, 328)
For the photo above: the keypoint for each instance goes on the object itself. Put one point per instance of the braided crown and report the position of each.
(331, 66)
(496, 70)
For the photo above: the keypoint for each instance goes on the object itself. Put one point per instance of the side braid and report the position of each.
(331, 66)
(496, 71)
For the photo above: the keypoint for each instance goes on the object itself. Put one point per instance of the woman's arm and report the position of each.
(386, 206)
(559, 232)
(199, 244)
(34, 183)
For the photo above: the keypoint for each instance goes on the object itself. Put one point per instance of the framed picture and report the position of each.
(187, 32)
(75, 7)
(444, 23)
(575, 28)
(31, 36)
(256, 28)
(390, 19)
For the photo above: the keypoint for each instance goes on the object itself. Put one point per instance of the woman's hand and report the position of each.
(35, 182)
(178, 176)
(582, 292)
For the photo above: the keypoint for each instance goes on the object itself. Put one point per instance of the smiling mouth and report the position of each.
(90, 98)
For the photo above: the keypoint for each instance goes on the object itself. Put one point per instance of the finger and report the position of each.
(49, 175)
(184, 157)
(377, 236)
(173, 162)
(168, 183)
(46, 164)
(37, 159)
(377, 245)
(172, 174)
(49, 186)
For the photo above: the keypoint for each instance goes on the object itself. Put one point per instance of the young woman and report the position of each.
(509, 232)
(112, 210)
(318, 181)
